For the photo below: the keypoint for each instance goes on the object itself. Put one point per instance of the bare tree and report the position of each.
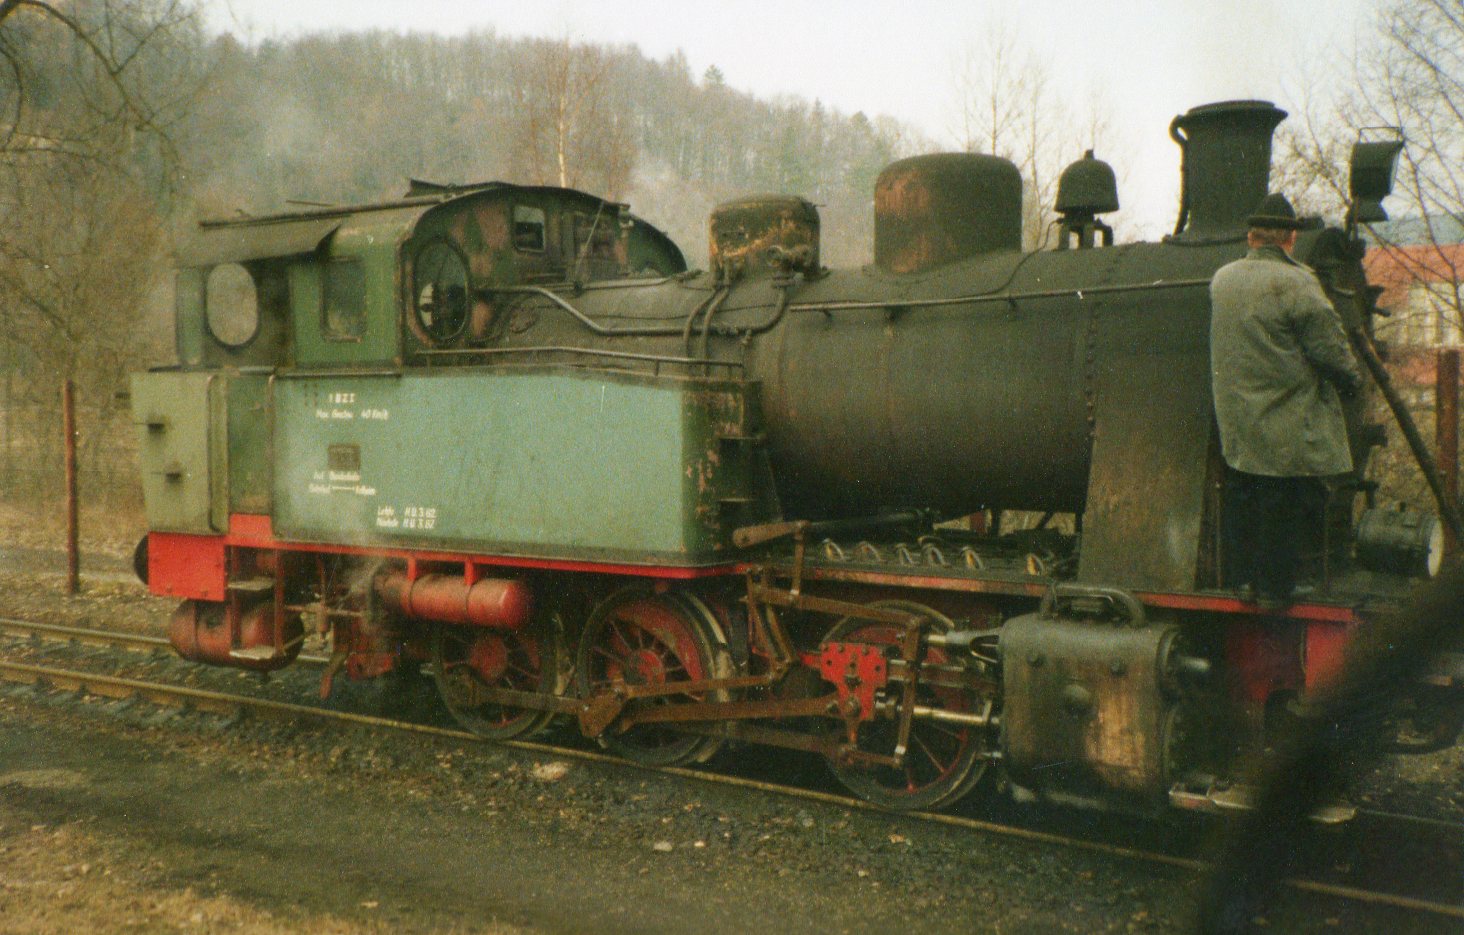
(1416, 79)
(79, 292)
(569, 129)
(95, 80)
(91, 95)
(1409, 76)
(1005, 105)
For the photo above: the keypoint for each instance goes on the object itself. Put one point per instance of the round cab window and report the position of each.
(232, 307)
(440, 291)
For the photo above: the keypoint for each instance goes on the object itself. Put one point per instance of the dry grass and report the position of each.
(105, 529)
(61, 880)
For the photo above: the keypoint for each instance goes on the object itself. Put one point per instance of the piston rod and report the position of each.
(962, 718)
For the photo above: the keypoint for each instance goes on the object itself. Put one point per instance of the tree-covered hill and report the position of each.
(337, 118)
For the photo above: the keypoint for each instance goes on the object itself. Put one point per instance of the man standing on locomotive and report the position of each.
(1280, 363)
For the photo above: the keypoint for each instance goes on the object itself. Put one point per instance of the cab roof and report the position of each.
(292, 233)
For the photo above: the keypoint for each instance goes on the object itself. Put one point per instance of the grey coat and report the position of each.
(1278, 357)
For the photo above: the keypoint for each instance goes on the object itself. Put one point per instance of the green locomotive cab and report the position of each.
(338, 378)
(372, 285)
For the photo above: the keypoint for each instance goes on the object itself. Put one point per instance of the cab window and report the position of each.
(344, 311)
(594, 236)
(528, 229)
(231, 305)
(441, 289)
(246, 313)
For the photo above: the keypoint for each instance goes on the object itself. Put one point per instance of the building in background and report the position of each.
(1419, 269)
(1421, 286)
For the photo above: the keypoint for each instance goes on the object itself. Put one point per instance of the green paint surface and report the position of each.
(554, 463)
(249, 450)
(182, 459)
(371, 239)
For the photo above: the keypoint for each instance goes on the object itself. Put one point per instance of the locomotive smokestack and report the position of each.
(1226, 165)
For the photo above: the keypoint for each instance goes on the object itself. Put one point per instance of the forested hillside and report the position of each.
(122, 123)
(351, 117)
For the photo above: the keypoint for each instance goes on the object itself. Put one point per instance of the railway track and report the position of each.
(240, 706)
(86, 636)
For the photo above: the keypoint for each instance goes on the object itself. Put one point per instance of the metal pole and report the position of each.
(7, 468)
(68, 423)
(1446, 431)
(1448, 509)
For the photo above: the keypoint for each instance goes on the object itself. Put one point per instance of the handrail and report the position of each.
(586, 351)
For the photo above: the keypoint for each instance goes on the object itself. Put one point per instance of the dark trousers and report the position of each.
(1267, 523)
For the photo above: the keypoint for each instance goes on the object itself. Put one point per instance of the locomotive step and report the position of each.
(264, 653)
(252, 585)
(254, 653)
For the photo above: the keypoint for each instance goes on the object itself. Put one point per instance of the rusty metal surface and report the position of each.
(486, 602)
(761, 234)
(68, 428)
(825, 706)
(873, 410)
(1152, 424)
(935, 209)
(255, 638)
(533, 701)
(1085, 704)
(1446, 430)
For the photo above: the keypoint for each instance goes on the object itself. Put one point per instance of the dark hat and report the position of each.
(1274, 211)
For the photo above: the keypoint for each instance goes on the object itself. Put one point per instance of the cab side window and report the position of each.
(344, 306)
(245, 314)
(528, 229)
(595, 237)
(231, 305)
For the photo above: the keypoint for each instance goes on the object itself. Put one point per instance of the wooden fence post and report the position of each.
(68, 422)
(1446, 430)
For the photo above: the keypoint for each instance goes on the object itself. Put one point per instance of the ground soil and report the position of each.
(291, 828)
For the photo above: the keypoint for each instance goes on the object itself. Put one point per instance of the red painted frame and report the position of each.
(187, 566)
(1300, 649)
(193, 566)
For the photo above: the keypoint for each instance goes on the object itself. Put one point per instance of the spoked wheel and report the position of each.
(943, 762)
(639, 637)
(467, 658)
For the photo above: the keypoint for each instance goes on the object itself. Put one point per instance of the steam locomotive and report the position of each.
(952, 510)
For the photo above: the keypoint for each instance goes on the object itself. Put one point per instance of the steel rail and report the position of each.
(1402, 818)
(234, 705)
(14, 626)
(85, 636)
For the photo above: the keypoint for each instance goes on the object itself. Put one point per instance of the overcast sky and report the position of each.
(1150, 59)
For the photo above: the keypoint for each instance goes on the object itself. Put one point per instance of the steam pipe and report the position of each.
(1176, 134)
(488, 602)
(684, 330)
